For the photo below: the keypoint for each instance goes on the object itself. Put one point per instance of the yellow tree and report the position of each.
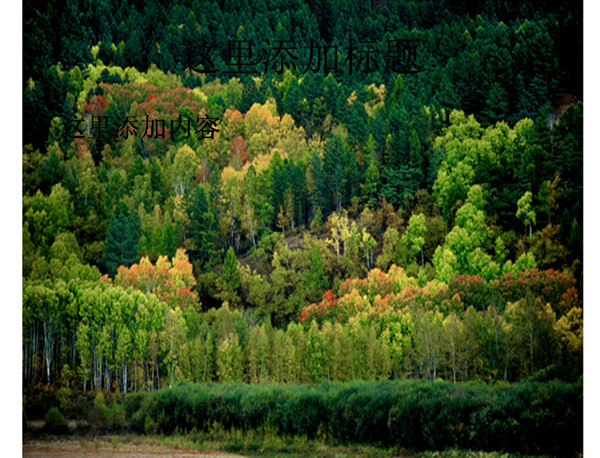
(183, 169)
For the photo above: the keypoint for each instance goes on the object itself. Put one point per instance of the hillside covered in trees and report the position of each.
(318, 216)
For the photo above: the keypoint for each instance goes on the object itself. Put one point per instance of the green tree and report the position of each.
(173, 339)
(183, 169)
(370, 184)
(168, 243)
(231, 273)
(525, 212)
(414, 237)
(122, 240)
(391, 249)
(316, 354)
(534, 328)
(229, 360)
(445, 264)
(454, 343)
(201, 230)
(52, 172)
(368, 244)
(428, 341)
(315, 282)
(335, 170)
(257, 351)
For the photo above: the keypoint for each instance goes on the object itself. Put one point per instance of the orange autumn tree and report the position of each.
(171, 281)
(238, 151)
(95, 106)
(381, 292)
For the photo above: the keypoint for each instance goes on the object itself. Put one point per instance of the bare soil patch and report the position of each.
(110, 447)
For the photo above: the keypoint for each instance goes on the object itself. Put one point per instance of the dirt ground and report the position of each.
(109, 447)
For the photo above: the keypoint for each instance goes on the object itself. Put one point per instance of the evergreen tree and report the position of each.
(201, 229)
(315, 282)
(168, 244)
(335, 172)
(357, 124)
(122, 239)
(231, 273)
(139, 168)
(318, 188)
(369, 186)
(52, 172)
(414, 237)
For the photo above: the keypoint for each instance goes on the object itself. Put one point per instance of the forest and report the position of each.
(335, 225)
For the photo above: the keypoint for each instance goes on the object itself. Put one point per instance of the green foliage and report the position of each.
(390, 253)
(371, 182)
(525, 212)
(229, 360)
(54, 421)
(201, 229)
(63, 398)
(414, 236)
(531, 418)
(231, 274)
(315, 282)
(122, 240)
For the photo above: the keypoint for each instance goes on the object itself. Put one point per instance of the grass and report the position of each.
(234, 442)
(251, 443)
(257, 444)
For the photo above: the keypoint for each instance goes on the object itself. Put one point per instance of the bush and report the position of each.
(54, 421)
(63, 398)
(305, 414)
(138, 417)
(98, 417)
(100, 400)
(115, 417)
(529, 417)
(149, 425)
(132, 403)
(108, 417)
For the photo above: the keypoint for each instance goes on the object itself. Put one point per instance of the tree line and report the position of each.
(145, 332)
(524, 418)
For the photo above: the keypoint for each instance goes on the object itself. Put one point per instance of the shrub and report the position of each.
(529, 417)
(132, 403)
(115, 417)
(98, 417)
(63, 398)
(305, 413)
(54, 421)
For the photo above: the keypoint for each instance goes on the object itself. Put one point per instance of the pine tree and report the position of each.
(139, 168)
(122, 239)
(315, 282)
(52, 172)
(201, 230)
(369, 187)
(231, 273)
(335, 172)
(168, 244)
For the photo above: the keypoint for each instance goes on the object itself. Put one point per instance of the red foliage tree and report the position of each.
(95, 106)
(238, 149)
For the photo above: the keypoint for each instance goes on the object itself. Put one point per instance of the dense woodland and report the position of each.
(338, 227)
